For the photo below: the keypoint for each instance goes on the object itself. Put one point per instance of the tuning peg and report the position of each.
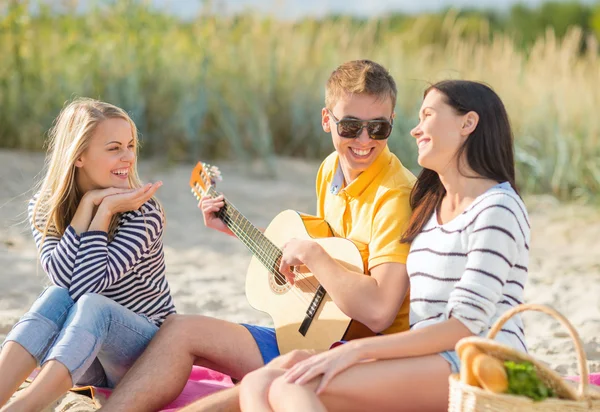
(216, 173)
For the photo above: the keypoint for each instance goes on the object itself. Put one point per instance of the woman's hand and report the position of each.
(95, 197)
(88, 204)
(132, 199)
(328, 364)
(293, 253)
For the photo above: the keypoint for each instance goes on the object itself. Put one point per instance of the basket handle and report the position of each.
(581, 358)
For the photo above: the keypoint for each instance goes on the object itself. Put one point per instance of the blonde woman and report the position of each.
(98, 231)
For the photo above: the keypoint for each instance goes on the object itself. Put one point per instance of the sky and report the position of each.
(298, 8)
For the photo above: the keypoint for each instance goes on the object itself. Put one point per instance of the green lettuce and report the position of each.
(523, 380)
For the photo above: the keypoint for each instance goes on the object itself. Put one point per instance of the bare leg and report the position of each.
(229, 399)
(180, 343)
(415, 384)
(52, 382)
(254, 390)
(16, 365)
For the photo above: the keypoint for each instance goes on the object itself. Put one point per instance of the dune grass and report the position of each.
(251, 87)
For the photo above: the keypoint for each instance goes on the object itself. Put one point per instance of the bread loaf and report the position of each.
(490, 373)
(467, 355)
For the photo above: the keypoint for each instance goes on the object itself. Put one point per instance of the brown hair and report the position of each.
(488, 150)
(360, 76)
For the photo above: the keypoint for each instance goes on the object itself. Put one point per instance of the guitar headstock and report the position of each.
(204, 176)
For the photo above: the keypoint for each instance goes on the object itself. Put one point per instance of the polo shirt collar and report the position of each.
(363, 180)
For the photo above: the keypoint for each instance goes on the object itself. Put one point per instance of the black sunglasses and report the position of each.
(352, 128)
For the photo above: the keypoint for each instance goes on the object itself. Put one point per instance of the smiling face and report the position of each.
(357, 154)
(441, 132)
(109, 158)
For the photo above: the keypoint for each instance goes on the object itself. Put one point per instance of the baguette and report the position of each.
(490, 373)
(467, 355)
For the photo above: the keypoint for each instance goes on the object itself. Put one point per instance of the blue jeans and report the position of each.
(96, 339)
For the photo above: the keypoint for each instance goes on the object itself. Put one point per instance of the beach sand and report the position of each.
(206, 269)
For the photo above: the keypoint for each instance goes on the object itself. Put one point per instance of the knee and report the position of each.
(278, 391)
(261, 378)
(56, 294)
(175, 324)
(258, 382)
(177, 328)
(54, 299)
(290, 359)
(93, 306)
(91, 301)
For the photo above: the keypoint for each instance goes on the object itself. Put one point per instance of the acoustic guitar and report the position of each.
(304, 315)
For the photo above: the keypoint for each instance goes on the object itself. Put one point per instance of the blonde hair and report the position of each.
(57, 195)
(361, 77)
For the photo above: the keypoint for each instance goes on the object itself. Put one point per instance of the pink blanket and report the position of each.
(202, 382)
(594, 378)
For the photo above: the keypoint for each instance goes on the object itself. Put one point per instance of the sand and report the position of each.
(206, 269)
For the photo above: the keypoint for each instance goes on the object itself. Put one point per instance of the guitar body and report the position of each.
(304, 315)
(286, 304)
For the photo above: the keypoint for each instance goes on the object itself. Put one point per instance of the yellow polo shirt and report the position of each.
(372, 212)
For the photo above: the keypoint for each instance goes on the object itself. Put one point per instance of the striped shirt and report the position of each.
(130, 269)
(473, 268)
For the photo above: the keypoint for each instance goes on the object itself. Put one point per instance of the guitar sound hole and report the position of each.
(280, 280)
(278, 283)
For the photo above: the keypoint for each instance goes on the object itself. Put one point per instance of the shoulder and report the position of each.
(35, 206)
(33, 201)
(500, 206)
(498, 199)
(396, 183)
(397, 176)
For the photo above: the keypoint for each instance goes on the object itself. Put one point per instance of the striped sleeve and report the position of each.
(101, 263)
(57, 253)
(492, 252)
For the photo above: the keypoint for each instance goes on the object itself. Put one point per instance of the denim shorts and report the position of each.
(265, 340)
(452, 358)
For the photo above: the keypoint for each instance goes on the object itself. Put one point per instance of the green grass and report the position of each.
(250, 87)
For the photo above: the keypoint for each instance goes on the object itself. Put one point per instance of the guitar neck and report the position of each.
(249, 235)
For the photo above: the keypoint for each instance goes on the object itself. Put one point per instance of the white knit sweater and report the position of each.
(473, 268)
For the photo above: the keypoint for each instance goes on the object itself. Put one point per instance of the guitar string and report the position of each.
(273, 259)
(229, 218)
(274, 253)
(277, 274)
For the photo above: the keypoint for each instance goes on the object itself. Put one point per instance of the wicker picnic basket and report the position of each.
(466, 398)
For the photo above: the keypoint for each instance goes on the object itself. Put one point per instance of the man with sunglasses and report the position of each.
(363, 193)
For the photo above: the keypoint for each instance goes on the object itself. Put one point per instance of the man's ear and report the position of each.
(325, 120)
(470, 122)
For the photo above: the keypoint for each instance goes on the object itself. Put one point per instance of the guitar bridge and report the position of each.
(312, 310)
(305, 325)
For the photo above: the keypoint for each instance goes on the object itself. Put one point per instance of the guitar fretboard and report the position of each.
(255, 240)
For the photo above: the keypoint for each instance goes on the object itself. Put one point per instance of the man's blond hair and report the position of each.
(360, 77)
